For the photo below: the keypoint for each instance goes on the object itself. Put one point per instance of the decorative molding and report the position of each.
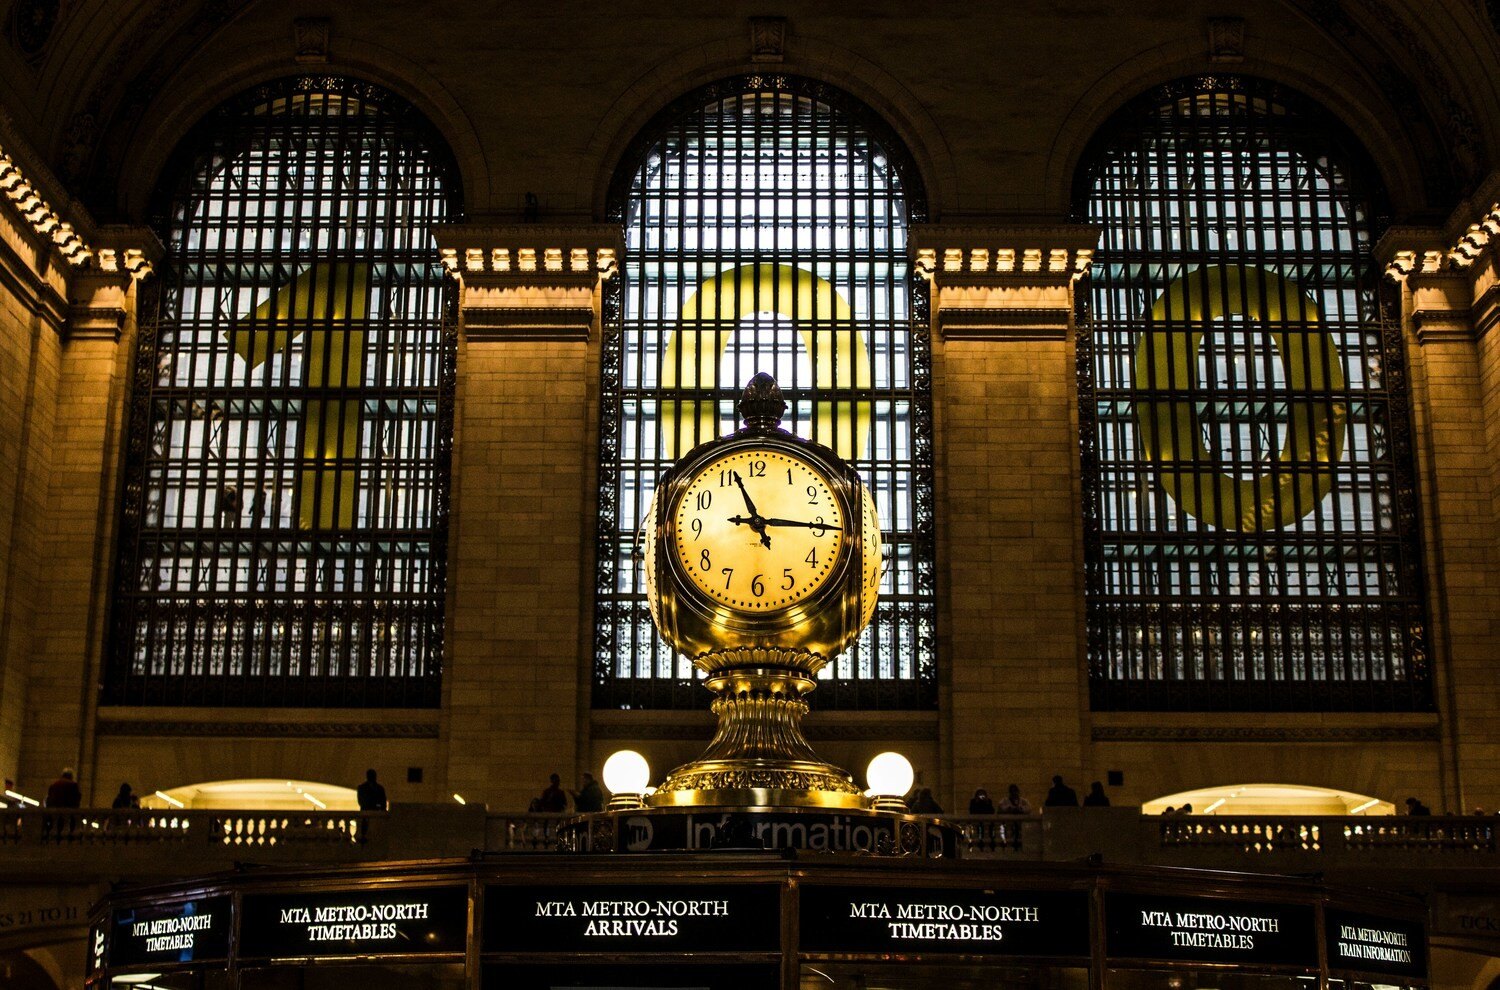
(510, 323)
(32, 290)
(265, 730)
(529, 281)
(699, 730)
(1265, 734)
(310, 36)
(767, 39)
(1005, 324)
(951, 255)
(1226, 39)
(23, 197)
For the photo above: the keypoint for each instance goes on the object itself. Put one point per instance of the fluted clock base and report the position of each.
(758, 756)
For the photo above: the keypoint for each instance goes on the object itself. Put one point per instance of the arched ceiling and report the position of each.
(82, 77)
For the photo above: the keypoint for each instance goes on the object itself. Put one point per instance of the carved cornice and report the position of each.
(1265, 734)
(22, 196)
(1451, 275)
(531, 254)
(264, 730)
(962, 255)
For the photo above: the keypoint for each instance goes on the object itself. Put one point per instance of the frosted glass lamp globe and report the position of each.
(890, 775)
(627, 772)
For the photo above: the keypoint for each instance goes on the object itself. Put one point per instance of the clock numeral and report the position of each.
(819, 526)
(704, 562)
(728, 573)
(757, 587)
(697, 529)
(812, 557)
(789, 476)
(724, 478)
(705, 499)
(786, 575)
(812, 494)
(757, 469)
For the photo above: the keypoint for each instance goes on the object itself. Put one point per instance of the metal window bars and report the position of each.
(283, 531)
(1249, 500)
(765, 230)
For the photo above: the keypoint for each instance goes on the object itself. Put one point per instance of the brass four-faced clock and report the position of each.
(762, 564)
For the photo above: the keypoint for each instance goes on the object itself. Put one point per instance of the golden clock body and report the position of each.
(791, 591)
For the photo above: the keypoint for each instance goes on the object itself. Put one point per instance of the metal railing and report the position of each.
(1256, 835)
(88, 827)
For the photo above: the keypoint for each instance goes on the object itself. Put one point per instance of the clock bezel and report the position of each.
(832, 593)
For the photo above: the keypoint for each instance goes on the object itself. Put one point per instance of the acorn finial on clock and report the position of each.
(761, 405)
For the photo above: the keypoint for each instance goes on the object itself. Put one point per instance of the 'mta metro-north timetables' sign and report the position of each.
(1375, 945)
(368, 921)
(935, 919)
(187, 931)
(1204, 929)
(633, 918)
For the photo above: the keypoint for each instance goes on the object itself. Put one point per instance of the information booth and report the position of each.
(731, 921)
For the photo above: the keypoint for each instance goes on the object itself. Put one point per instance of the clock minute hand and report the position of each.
(805, 525)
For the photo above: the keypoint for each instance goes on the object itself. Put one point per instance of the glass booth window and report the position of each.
(284, 528)
(1249, 503)
(765, 230)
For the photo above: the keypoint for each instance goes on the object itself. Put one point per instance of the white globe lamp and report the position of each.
(628, 777)
(890, 777)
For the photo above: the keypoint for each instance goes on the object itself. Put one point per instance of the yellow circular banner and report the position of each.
(1171, 438)
(824, 322)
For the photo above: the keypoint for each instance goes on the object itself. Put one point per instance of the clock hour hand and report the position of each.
(755, 521)
(805, 525)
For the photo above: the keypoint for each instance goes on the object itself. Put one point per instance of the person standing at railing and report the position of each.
(1096, 798)
(1415, 807)
(65, 792)
(370, 794)
(1014, 803)
(980, 803)
(553, 799)
(125, 799)
(1061, 795)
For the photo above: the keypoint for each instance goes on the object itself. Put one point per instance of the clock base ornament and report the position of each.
(758, 755)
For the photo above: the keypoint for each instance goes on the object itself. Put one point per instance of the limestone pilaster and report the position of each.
(1447, 280)
(522, 536)
(1010, 548)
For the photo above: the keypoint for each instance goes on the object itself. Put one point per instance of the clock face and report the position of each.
(758, 530)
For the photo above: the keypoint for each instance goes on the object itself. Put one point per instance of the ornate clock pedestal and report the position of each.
(758, 756)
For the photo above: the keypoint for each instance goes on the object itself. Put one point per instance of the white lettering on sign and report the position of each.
(355, 922)
(614, 919)
(1377, 944)
(171, 934)
(1190, 930)
(945, 922)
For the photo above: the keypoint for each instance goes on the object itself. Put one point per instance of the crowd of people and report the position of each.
(1060, 795)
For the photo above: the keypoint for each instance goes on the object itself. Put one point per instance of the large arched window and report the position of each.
(1250, 521)
(284, 529)
(765, 230)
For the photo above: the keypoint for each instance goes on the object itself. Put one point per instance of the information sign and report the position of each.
(1373, 944)
(183, 931)
(1204, 929)
(633, 918)
(367, 921)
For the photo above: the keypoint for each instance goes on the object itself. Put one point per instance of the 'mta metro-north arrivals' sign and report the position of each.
(187, 931)
(368, 921)
(1205, 929)
(1374, 944)
(633, 918)
(935, 919)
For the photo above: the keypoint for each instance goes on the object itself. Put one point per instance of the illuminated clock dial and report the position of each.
(758, 530)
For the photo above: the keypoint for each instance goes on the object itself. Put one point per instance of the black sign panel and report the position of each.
(617, 976)
(368, 921)
(633, 918)
(1202, 929)
(1375, 945)
(929, 919)
(185, 931)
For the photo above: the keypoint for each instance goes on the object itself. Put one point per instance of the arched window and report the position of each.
(284, 529)
(1249, 509)
(765, 230)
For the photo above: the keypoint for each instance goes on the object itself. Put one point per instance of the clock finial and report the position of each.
(761, 405)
